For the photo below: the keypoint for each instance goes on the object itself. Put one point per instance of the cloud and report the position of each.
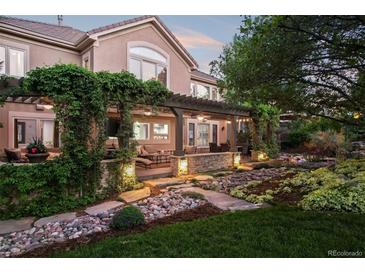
(193, 39)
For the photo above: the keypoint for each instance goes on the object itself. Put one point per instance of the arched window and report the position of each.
(147, 63)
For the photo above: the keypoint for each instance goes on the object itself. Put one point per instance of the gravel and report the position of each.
(165, 204)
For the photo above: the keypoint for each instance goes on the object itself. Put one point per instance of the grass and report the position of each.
(271, 232)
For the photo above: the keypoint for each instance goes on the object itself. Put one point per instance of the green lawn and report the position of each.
(270, 232)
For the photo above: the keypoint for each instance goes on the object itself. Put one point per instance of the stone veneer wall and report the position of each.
(204, 162)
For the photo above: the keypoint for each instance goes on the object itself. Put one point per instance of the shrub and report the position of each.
(244, 192)
(39, 190)
(341, 189)
(128, 217)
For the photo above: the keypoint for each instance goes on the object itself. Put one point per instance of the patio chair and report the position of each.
(213, 147)
(225, 147)
(14, 156)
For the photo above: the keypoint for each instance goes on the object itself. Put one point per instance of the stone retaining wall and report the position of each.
(203, 162)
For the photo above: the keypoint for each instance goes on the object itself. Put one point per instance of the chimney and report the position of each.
(60, 20)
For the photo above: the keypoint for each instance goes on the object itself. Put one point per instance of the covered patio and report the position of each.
(217, 151)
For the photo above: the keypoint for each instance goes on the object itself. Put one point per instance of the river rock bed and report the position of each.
(167, 204)
(160, 206)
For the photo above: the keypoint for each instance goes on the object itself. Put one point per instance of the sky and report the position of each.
(202, 36)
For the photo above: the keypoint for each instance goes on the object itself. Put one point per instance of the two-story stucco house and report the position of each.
(143, 46)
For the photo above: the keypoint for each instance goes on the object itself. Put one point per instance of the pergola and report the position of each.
(180, 104)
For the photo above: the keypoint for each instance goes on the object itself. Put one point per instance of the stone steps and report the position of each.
(164, 182)
(135, 195)
(223, 201)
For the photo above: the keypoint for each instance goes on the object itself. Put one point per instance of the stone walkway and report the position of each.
(224, 201)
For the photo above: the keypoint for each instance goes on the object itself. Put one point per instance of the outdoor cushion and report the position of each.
(143, 160)
(151, 149)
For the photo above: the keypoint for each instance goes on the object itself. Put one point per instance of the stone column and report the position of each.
(233, 134)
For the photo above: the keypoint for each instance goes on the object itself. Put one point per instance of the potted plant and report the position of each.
(37, 151)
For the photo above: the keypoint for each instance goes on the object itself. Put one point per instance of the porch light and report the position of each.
(182, 166)
(236, 160)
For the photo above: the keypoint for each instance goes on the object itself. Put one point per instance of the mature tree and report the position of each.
(312, 64)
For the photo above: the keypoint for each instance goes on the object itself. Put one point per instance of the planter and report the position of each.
(258, 156)
(37, 158)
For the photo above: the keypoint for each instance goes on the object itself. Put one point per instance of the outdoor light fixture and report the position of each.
(228, 122)
(148, 113)
(262, 156)
(200, 118)
(129, 172)
(182, 166)
(236, 160)
(357, 115)
(44, 107)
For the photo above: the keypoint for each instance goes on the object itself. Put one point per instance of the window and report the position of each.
(214, 94)
(112, 126)
(200, 91)
(148, 71)
(215, 134)
(148, 64)
(141, 131)
(160, 131)
(16, 62)
(47, 132)
(191, 134)
(86, 63)
(12, 61)
(2, 60)
(135, 67)
(202, 135)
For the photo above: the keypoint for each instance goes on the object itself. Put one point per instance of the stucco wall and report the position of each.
(112, 54)
(38, 54)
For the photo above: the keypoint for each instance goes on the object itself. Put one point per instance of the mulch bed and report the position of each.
(183, 216)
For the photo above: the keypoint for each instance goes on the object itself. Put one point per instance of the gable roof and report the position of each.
(64, 33)
(150, 18)
(74, 37)
(197, 74)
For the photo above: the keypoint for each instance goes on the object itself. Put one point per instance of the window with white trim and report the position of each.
(148, 64)
(12, 61)
(202, 139)
(200, 91)
(141, 131)
(160, 131)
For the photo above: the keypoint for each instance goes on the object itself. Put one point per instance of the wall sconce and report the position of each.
(182, 167)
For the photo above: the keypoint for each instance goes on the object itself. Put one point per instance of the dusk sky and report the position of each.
(203, 36)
